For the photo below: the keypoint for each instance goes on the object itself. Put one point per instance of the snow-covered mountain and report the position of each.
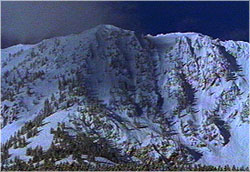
(178, 97)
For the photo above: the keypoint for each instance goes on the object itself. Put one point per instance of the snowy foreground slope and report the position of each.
(179, 96)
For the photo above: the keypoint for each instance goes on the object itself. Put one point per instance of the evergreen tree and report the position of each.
(47, 107)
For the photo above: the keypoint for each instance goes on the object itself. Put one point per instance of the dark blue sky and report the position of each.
(30, 22)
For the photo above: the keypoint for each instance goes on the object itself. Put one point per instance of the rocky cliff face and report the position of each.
(178, 97)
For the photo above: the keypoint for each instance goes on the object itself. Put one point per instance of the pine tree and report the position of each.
(29, 134)
(47, 107)
(52, 131)
(59, 85)
(15, 145)
(29, 151)
(53, 97)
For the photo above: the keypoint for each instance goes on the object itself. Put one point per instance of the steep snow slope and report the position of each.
(184, 93)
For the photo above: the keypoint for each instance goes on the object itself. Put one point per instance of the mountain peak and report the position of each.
(107, 26)
(158, 97)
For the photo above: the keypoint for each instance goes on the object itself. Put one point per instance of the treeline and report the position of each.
(157, 166)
